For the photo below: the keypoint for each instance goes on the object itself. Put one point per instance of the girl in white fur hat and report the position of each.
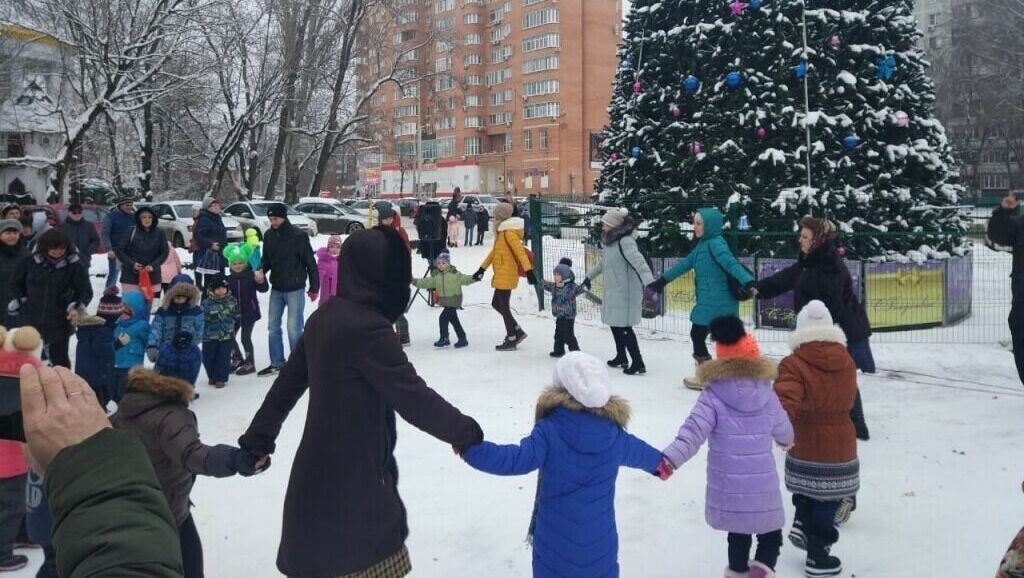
(578, 444)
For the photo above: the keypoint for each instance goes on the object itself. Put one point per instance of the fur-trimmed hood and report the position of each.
(741, 383)
(617, 409)
(91, 321)
(512, 224)
(160, 389)
(615, 235)
(182, 289)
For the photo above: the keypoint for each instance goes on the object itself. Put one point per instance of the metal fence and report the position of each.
(962, 299)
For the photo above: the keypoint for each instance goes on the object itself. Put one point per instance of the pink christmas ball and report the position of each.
(835, 41)
(696, 148)
(902, 119)
(614, 157)
(676, 112)
(841, 251)
(761, 132)
(636, 88)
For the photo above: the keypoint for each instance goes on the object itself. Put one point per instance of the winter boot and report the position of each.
(268, 371)
(14, 563)
(796, 535)
(692, 382)
(759, 570)
(819, 561)
(248, 367)
(620, 359)
(637, 367)
(443, 342)
(846, 507)
(557, 354)
(857, 415)
(461, 343)
(520, 335)
(508, 345)
(730, 573)
(236, 362)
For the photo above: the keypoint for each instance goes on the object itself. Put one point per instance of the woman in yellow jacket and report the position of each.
(507, 255)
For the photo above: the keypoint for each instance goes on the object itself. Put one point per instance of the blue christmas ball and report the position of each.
(628, 63)
(851, 142)
(691, 84)
(800, 70)
(734, 79)
(636, 152)
(754, 5)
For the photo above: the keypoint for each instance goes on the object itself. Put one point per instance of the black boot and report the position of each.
(508, 345)
(620, 359)
(819, 561)
(857, 415)
(520, 335)
(637, 367)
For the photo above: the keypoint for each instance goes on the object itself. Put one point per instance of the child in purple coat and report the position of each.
(739, 414)
(244, 287)
(327, 265)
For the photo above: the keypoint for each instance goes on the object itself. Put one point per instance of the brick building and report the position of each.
(505, 94)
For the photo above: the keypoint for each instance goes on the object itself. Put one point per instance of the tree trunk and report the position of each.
(112, 143)
(146, 177)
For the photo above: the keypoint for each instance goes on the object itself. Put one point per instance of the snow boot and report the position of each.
(637, 367)
(248, 367)
(620, 359)
(819, 561)
(730, 573)
(692, 382)
(759, 570)
(796, 535)
(520, 335)
(14, 563)
(443, 342)
(268, 371)
(508, 345)
(557, 354)
(219, 384)
(461, 343)
(236, 362)
(846, 507)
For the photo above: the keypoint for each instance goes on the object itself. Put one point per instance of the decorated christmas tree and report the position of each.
(715, 104)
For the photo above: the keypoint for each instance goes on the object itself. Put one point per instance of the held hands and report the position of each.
(665, 469)
(313, 295)
(586, 283)
(658, 285)
(479, 274)
(249, 464)
(1009, 203)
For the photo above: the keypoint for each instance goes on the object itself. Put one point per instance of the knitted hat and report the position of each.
(813, 315)
(110, 305)
(217, 282)
(502, 212)
(334, 240)
(182, 278)
(732, 340)
(278, 210)
(585, 377)
(8, 224)
(384, 210)
(124, 200)
(565, 261)
(445, 257)
(208, 202)
(564, 271)
(614, 217)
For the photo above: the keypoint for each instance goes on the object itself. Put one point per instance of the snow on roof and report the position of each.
(33, 111)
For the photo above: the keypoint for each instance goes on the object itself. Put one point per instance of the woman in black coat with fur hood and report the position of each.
(144, 248)
(342, 511)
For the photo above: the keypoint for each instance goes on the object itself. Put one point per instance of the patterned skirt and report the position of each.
(823, 482)
(396, 565)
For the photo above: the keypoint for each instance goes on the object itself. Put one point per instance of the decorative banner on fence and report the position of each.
(780, 312)
(959, 288)
(905, 295)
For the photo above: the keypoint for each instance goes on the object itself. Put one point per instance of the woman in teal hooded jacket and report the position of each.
(714, 263)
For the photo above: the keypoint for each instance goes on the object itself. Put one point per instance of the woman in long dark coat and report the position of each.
(211, 237)
(821, 274)
(144, 248)
(342, 513)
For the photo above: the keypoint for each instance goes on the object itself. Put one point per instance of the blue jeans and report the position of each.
(112, 272)
(295, 301)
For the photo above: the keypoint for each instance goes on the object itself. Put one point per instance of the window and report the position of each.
(497, 15)
(443, 83)
(411, 90)
(408, 35)
(442, 64)
(444, 147)
(506, 147)
(550, 40)
(472, 18)
(405, 149)
(499, 55)
(499, 118)
(407, 73)
(543, 139)
(499, 33)
(498, 76)
(531, 2)
(500, 98)
(471, 146)
(471, 59)
(474, 80)
(540, 110)
(15, 145)
(407, 110)
(410, 55)
(993, 156)
(443, 46)
(445, 123)
(540, 18)
(934, 43)
(445, 24)
(472, 100)
(472, 39)
(990, 182)
(448, 103)
(444, 6)
(933, 19)
(540, 64)
(473, 122)
(540, 87)
(528, 140)
(407, 17)
(404, 129)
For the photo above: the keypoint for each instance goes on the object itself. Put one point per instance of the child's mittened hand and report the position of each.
(123, 339)
(665, 469)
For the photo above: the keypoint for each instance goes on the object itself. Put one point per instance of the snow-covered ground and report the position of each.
(940, 477)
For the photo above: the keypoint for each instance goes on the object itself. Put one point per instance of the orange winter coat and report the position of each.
(508, 254)
(817, 385)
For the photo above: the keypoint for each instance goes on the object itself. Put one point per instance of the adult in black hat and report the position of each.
(83, 233)
(116, 228)
(12, 250)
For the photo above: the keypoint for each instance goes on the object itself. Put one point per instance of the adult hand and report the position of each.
(313, 295)
(529, 277)
(1009, 202)
(479, 274)
(111, 255)
(137, 266)
(249, 464)
(586, 282)
(658, 284)
(73, 317)
(59, 410)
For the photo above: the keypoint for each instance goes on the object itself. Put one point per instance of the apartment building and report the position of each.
(504, 94)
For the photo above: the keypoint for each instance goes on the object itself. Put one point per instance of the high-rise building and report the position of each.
(505, 95)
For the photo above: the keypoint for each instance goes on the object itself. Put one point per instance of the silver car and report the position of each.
(174, 218)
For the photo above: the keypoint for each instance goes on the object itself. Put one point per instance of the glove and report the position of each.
(479, 274)
(313, 295)
(246, 461)
(785, 447)
(586, 283)
(151, 354)
(665, 469)
(529, 277)
(659, 284)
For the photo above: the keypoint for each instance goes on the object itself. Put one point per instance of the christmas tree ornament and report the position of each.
(734, 79)
(761, 132)
(754, 5)
(800, 70)
(696, 148)
(636, 152)
(637, 88)
(851, 142)
(902, 119)
(675, 110)
(628, 63)
(737, 7)
(614, 158)
(744, 224)
(691, 84)
(886, 66)
(835, 41)
(841, 251)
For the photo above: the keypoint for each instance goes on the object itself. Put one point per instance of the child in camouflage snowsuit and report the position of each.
(564, 291)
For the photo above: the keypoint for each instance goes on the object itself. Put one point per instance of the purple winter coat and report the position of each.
(740, 415)
(327, 266)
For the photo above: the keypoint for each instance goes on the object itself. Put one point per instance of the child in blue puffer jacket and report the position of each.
(578, 444)
(94, 356)
(564, 291)
(177, 330)
(130, 334)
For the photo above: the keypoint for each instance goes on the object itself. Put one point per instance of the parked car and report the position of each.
(407, 204)
(362, 206)
(331, 216)
(254, 214)
(487, 201)
(55, 214)
(174, 218)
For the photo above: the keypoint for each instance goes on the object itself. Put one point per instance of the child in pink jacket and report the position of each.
(327, 265)
(169, 270)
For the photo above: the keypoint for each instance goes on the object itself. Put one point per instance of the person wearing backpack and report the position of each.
(714, 265)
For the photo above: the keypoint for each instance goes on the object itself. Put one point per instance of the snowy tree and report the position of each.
(710, 100)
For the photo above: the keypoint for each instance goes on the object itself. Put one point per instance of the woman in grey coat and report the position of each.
(626, 273)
